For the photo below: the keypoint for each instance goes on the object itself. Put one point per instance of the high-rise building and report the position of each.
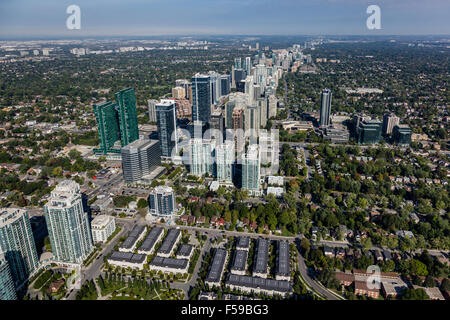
(390, 120)
(201, 94)
(402, 134)
(107, 125)
(271, 106)
(17, 244)
(248, 65)
(140, 158)
(224, 162)
(239, 75)
(7, 288)
(162, 201)
(251, 170)
(166, 121)
(178, 93)
(237, 63)
(216, 125)
(68, 224)
(215, 86)
(126, 102)
(225, 84)
(369, 131)
(229, 107)
(325, 108)
(238, 119)
(201, 156)
(151, 110)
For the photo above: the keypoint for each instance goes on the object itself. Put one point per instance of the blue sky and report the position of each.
(47, 18)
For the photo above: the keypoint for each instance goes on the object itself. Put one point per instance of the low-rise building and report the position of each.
(362, 289)
(258, 285)
(243, 243)
(185, 251)
(217, 267)
(102, 228)
(262, 257)
(282, 269)
(136, 235)
(239, 262)
(169, 265)
(149, 244)
(169, 243)
(127, 260)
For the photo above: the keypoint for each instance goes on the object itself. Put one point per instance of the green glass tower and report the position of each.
(402, 134)
(126, 101)
(108, 126)
(369, 132)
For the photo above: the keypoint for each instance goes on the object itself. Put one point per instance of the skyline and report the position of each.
(99, 18)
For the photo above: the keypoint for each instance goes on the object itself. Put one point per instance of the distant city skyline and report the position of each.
(47, 18)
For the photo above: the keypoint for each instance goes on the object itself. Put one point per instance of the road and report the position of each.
(307, 274)
(94, 270)
(191, 283)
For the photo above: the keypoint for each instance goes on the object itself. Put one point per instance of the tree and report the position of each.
(429, 282)
(417, 268)
(414, 294)
(142, 203)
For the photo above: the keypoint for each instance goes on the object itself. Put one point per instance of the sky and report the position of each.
(47, 18)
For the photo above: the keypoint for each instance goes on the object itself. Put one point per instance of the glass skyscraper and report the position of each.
(126, 101)
(162, 201)
(117, 121)
(251, 170)
(325, 108)
(225, 161)
(140, 158)
(7, 289)
(17, 244)
(369, 131)
(166, 120)
(108, 126)
(67, 223)
(201, 94)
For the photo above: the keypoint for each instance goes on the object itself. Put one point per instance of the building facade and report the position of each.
(140, 158)
(167, 127)
(7, 288)
(107, 125)
(251, 170)
(201, 96)
(17, 244)
(126, 102)
(325, 108)
(68, 224)
(162, 201)
(103, 227)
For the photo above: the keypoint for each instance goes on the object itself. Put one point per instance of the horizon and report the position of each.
(118, 18)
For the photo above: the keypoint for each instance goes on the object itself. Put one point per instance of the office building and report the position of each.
(166, 121)
(251, 170)
(325, 108)
(68, 224)
(336, 134)
(107, 125)
(402, 134)
(216, 125)
(225, 84)
(201, 96)
(224, 162)
(126, 102)
(152, 110)
(162, 201)
(139, 159)
(17, 244)
(7, 288)
(201, 156)
(369, 131)
(238, 119)
(390, 120)
(102, 227)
